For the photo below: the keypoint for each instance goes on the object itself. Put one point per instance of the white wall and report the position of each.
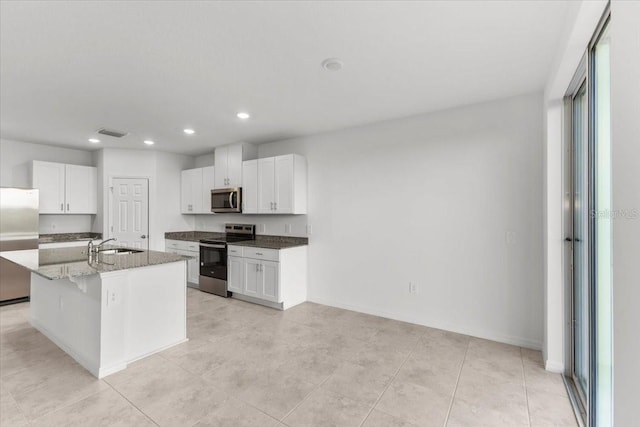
(451, 201)
(163, 171)
(15, 171)
(625, 107)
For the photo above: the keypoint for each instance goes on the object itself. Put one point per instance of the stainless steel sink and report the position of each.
(119, 251)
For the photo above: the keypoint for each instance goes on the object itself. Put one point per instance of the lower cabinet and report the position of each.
(277, 278)
(190, 249)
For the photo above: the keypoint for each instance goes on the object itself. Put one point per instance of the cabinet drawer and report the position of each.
(262, 253)
(235, 250)
(182, 245)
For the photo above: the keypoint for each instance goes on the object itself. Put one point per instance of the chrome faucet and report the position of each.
(91, 248)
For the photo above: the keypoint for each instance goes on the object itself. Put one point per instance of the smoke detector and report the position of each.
(111, 132)
(332, 64)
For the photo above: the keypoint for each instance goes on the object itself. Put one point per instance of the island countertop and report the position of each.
(62, 263)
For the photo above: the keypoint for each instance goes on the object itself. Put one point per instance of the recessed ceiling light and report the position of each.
(243, 115)
(149, 142)
(93, 140)
(332, 64)
(189, 131)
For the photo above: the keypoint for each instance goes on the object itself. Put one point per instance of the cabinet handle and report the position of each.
(259, 253)
(61, 207)
(68, 208)
(275, 206)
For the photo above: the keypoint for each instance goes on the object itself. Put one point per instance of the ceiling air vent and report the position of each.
(111, 132)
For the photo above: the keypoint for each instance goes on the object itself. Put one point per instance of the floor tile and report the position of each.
(380, 419)
(106, 408)
(41, 390)
(234, 413)
(324, 408)
(248, 365)
(10, 413)
(359, 383)
(415, 404)
(550, 410)
(540, 379)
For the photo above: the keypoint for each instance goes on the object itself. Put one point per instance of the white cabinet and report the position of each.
(228, 164)
(281, 185)
(195, 194)
(277, 278)
(208, 184)
(250, 187)
(190, 249)
(66, 189)
(191, 191)
(235, 274)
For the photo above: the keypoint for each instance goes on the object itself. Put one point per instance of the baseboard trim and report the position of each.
(478, 333)
(554, 366)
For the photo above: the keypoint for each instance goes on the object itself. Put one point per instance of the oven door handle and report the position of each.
(207, 245)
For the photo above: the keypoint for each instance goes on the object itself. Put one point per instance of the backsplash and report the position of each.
(275, 225)
(53, 224)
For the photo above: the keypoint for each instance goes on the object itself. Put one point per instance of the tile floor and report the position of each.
(312, 365)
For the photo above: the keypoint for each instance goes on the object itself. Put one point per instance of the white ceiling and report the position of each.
(154, 68)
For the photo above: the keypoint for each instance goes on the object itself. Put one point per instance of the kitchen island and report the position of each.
(108, 309)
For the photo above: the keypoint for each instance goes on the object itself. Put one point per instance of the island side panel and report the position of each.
(153, 304)
(293, 276)
(68, 314)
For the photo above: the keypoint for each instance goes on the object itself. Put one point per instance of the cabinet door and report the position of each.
(193, 268)
(208, 184)
(284, 184)
(196, 190)
(81, 189)
(235, 274)
(266, 183)
(185, 192)
(234, 166)
(49, 179)
(252, 279)
(250, 186)
(270, 289)
(220, 167)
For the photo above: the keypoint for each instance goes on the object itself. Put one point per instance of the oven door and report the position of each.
(213, 268)
(226, 200)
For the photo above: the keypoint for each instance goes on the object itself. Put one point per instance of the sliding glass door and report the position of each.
(580, 242)
(589, 116)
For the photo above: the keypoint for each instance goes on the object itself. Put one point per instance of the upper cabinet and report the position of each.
(196, 186)
(275, 185)
(228, 164)
(191, 191)
(250, 187)
(66, 189)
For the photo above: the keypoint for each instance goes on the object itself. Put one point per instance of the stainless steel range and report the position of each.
(213, 257)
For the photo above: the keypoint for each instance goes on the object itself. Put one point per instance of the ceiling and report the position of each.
(155, 68)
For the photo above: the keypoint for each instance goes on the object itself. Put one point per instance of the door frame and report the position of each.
(109, 223)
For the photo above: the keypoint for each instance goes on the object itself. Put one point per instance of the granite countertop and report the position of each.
(261, 241)
(68, 237)
(273, 242)
(192, 236)
(73, 262)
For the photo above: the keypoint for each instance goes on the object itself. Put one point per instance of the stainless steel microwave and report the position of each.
(226, 200)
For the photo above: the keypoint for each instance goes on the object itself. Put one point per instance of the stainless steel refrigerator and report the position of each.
(18, 231)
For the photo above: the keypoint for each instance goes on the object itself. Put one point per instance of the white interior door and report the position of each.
(130, 212)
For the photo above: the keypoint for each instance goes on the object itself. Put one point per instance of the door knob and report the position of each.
(144, 236)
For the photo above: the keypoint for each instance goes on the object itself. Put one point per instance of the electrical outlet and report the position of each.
(510, 237)
(262, 228)
(287, 228)
(53, 226)
(413, 288)
(309, 230)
